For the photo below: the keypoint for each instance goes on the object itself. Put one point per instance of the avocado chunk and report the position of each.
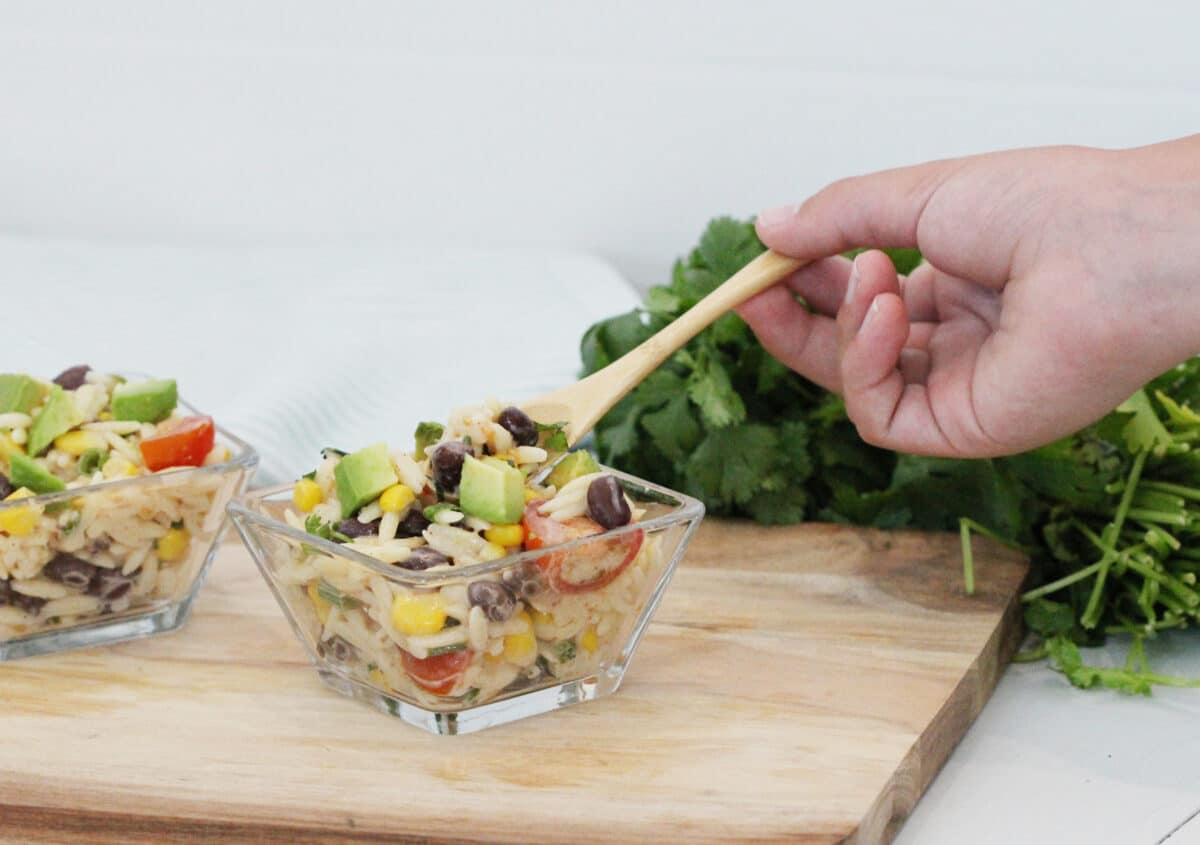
(18, 393)
(492, 489)
(426, 435)
(145, 401)
(571, 467)
(361, 476)
(58, 416)
(26, 472)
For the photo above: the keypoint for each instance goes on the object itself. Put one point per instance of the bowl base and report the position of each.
(102, 632)
(483, 716)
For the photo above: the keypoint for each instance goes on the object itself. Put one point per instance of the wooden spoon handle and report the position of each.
(607, 386)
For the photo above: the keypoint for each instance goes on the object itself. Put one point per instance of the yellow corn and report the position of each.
(506, 535)
(75, 443)
(493, 551)
(540, 618)
(173, 545)
(19, 522)
(521, 648)
(396, 498)
(131, 469)
(418, 614)
(319, 604)
(530, 495)
(378, 678)
(306, 495)
(8, 446)
(588, 641)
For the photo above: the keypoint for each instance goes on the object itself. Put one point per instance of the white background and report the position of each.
(612, 128)
(617, 128)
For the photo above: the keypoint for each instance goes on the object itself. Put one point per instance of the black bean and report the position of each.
(353, 528)
(447, 461)
(72, 377)
(70, 570)
(110, 585)
(524, 580)
(606, 502)
(30, 604)
(413, 524)
(495, 599)
(6, 488)
(519, 425)
(336, 649)
(423, 557)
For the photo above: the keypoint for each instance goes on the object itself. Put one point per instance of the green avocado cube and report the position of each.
(573, 466)
(145, 401)
(18, 393)
(58, 416)
(492, 489)
(26, 472)
(361, 476)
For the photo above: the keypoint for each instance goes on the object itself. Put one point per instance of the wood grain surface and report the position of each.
(798, 685)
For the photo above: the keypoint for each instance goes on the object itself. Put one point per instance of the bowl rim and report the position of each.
(241, 509)
(244, 456)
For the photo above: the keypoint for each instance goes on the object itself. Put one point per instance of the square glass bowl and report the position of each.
(582, 607)
(113, 561)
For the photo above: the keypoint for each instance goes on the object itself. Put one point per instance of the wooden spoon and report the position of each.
(583, 403)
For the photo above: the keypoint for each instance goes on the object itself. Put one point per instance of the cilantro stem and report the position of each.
(1065, 581)
(1162, 517)
(1033, 655)
(1091, 613)
(968, 556)
(1185, 593)
(1180, 490)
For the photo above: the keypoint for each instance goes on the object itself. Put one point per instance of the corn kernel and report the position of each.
(396, 498)
(520, 649)
(19, 522)
(493, 551)
(506, 535)
(173, 545)
(307, 494)
(418, 614)
(530, 495)
(588, 641)
(131, 469)
(8, 446)
(320, 605)
(540, 618)
(75, 443)
(378, 678)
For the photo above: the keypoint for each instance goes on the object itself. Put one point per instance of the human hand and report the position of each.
(1058, 281)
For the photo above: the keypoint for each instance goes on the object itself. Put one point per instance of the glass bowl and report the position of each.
(568, 640)
(127, 556)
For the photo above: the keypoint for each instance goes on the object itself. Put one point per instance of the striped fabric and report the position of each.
(296, 348)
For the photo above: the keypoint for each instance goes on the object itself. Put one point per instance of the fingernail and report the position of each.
(778, 215)
(852, 282)
(871, 312)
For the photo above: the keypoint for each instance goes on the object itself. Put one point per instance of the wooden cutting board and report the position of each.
(798, 685)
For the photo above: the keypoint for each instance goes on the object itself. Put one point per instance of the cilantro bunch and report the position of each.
(1109, 516)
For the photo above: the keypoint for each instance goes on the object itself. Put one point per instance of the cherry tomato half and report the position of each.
(180, 443)
(587, 567)
(437, 674)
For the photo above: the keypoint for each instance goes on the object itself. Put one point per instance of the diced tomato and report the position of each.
(587, 567)
(437, 674)
(180, 443)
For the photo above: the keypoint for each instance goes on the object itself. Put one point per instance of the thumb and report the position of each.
(877, 210)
